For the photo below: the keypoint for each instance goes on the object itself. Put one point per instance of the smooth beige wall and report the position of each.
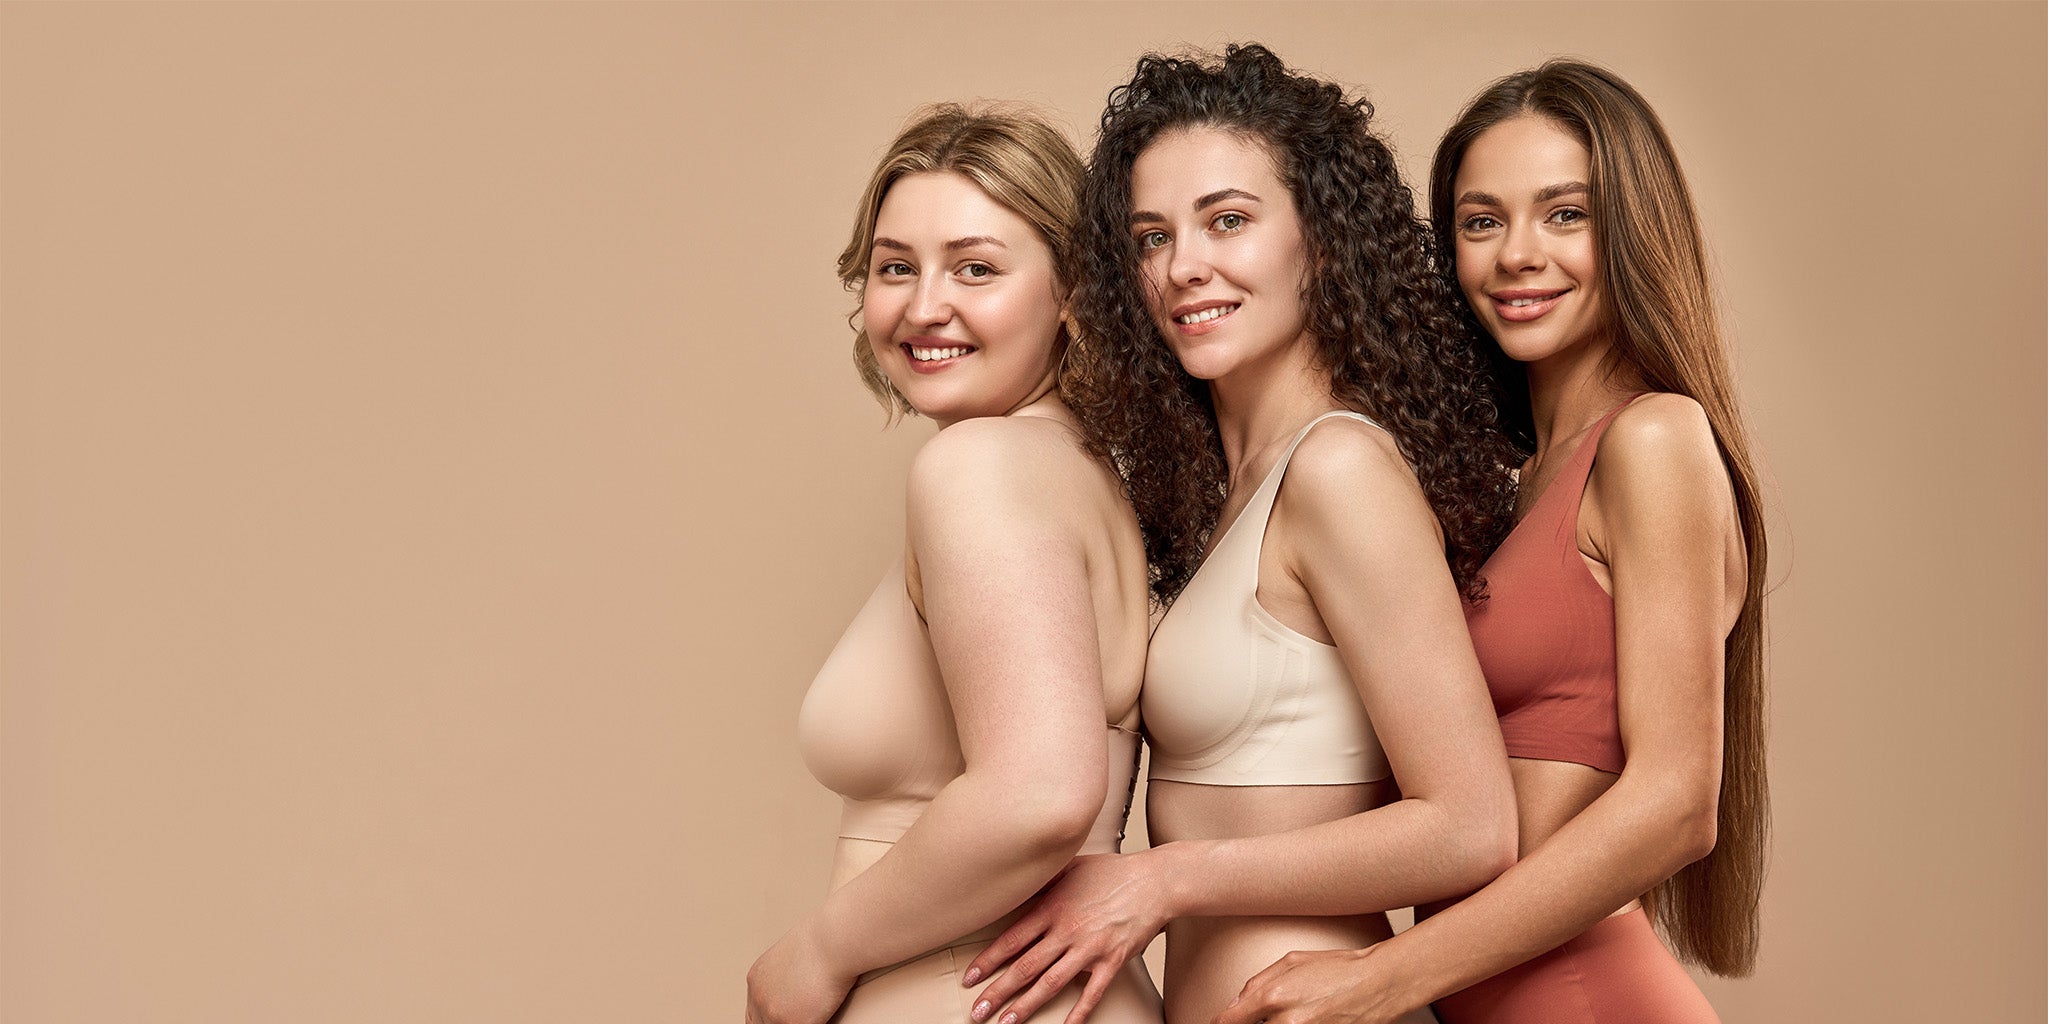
(432, 472)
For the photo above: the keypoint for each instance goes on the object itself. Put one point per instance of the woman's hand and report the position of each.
(1097, 915)
(792, 985)
(1338, 986)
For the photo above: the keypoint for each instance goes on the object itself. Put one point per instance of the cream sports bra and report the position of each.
(1234, 698)
(877, 728)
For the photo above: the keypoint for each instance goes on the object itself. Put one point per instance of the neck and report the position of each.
(1570, 390)
(1043, 400)
(1261, 405)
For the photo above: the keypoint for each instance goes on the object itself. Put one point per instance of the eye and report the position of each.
(1568, 215)
(1151, 239)
(1227, 221)
(1478, 223)
(976, 271)
(893, 268)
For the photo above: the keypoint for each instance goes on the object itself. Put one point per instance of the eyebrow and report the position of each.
(1543, 195)
(1150, 217)
(956, 244)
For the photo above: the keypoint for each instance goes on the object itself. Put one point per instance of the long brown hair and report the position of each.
(1016, 156)
(1385, 325)
(1653, 265)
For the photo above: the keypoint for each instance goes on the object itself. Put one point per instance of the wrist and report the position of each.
(1177, 871)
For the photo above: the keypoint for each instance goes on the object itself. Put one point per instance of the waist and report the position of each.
(1187, 810)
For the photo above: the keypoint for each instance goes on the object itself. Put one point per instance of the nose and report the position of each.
(929, 305)
(1188, 265)
(1521, 249)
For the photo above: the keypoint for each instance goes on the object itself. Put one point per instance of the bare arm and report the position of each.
(1668, 516)
(1360, 538)
(1006, 596)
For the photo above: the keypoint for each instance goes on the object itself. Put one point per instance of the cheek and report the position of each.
(1471, 267)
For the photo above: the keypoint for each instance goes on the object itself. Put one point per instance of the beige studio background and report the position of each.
(432, 473)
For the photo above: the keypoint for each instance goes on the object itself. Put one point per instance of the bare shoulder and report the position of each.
(1346, 462)
(1007, 464)
(1660, 451)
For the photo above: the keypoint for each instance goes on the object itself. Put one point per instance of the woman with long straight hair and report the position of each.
(1623, 633)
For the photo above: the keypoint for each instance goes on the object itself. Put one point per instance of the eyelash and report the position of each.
(1215, 223)
(888, 270)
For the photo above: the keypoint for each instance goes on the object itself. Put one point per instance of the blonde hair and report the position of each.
(1012, 154)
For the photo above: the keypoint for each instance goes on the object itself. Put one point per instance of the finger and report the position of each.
(1250, 1008)
(1013, 940)
(1020, 975)
(1099, 981)
(1050, 984)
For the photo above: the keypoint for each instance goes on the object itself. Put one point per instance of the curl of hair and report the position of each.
(1384, 324)
(1014, 155)
(1653, 269)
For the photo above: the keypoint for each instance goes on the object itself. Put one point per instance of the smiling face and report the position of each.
(962, 304)
(1224, 254)
(1528, 261)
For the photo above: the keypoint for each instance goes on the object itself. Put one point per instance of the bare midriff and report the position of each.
(1208, 959)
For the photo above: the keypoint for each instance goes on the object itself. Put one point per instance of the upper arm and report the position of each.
(1667, 528)
(1363, 541)
(1006, 599)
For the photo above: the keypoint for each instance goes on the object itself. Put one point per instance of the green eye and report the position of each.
(1151, 239)
(1229, 221)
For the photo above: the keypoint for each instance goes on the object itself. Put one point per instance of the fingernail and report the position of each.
(982, 1010)
(1009, 1018)
(973, 975)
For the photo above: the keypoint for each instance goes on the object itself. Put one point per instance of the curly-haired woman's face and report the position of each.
(1527, 258)
(962, 304)
(1224, 255)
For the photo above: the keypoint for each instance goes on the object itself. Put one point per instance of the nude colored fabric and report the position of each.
(1617, 972)
(1234, 698)
(1545, 633)
(877, 728)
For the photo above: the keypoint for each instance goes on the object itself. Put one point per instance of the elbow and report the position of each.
(1051, 820)
(1697, 828)
(1487, 842)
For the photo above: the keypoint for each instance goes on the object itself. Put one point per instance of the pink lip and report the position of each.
(1548, 299)
(1190, 330)
(934, 365)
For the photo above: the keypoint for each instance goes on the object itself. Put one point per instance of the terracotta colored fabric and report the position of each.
(1545, 633)
(1617, 972)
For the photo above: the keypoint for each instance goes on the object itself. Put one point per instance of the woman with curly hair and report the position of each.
(1009, 640)
(1280, 377)
(1624, 637)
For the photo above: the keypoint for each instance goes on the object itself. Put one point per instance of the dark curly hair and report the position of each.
(1384, 323)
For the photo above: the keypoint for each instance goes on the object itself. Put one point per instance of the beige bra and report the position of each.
(877, 728)
(1234, 698)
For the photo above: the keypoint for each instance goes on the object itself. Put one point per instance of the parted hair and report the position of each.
(1661, 314)
(1015, 156)
(1384, 324)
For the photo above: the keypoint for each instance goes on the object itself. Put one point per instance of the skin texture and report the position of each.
(1658, 530)
(1352, 556)
(1026, 565)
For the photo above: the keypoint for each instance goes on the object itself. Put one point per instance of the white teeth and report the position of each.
(933, 355)
(1516, 303)
(1207, 314)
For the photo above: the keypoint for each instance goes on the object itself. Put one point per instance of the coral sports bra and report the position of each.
(877, 727)
(1545, 633)
(1232, 696)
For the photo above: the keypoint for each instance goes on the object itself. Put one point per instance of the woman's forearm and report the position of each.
(1406, 852)
(981, 848)
(1624, 844)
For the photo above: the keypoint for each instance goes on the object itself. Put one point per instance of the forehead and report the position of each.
(934, 207)
(1188, 163)
(1517, 157)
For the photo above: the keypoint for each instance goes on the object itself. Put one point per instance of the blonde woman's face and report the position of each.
(1523, 223)
(962, 304)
